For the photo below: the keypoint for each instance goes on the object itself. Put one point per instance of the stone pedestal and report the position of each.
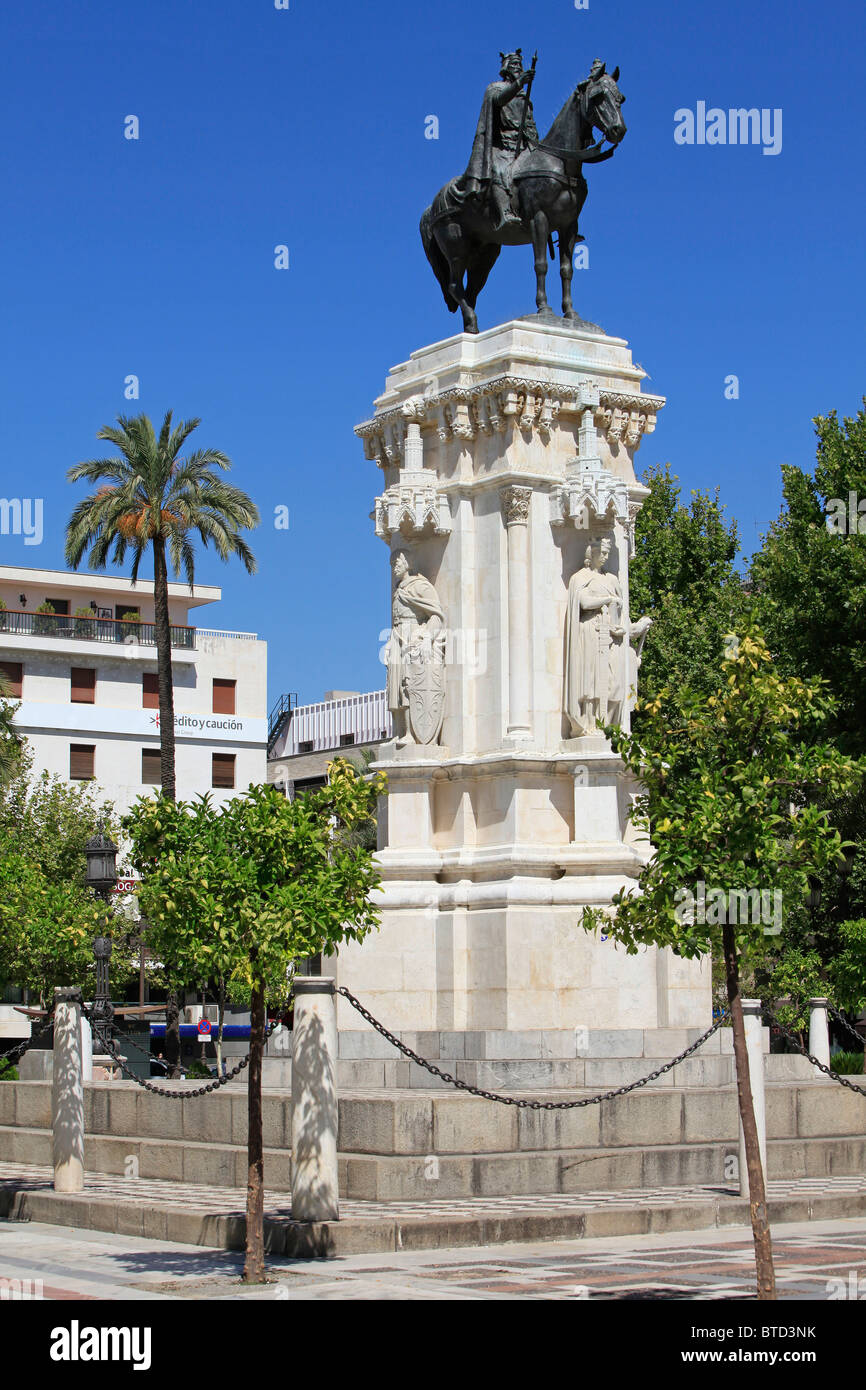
(67, 1094)
(503, 455)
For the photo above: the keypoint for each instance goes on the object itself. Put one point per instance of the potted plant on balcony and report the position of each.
(85, 622)
(3, 616)
(131, 625)
(43, 626)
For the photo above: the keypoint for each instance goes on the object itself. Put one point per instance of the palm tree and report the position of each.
(151, 497)
(10, 741)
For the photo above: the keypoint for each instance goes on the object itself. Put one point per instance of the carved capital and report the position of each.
(515, 502)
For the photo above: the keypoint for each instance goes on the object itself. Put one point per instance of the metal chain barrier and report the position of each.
(828, 1071)
(519, 1101)
(161, 1090)
(20, 1048)
(840, 1018)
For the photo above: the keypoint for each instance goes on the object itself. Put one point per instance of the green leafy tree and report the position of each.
(243, 891)
(810, 591)
(151, 498)
(729, 784)
(48, 917)
(683, 575)
(810, 575)
(46, 928)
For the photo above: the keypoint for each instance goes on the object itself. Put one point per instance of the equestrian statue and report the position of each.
(519, 189)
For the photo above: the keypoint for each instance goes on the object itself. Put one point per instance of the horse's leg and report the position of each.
(567, 243)
(482, 263)
(540, 227)
(457, 254)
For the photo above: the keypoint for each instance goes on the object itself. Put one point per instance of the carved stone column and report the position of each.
(515, 503)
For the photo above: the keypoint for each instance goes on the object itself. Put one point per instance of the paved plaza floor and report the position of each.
(819, 1261)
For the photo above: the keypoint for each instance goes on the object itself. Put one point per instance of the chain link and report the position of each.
(840, 1018)
(519, 1102)
(160, 1090)
(828, 1071)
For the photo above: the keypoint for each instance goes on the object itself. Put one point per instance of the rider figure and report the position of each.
(494, 149)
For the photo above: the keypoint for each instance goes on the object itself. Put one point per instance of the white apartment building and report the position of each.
(304, 738)
(85, 674)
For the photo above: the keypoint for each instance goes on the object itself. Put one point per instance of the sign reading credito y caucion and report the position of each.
(137, 723)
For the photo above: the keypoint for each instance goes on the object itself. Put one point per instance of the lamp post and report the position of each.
(101, 853)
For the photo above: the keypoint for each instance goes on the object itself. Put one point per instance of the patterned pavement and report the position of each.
(822, 1262)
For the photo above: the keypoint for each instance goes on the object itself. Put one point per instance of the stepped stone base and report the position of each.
(416, 1145)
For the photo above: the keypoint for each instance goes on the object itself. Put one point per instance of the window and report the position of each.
(305, 746)
(81, 761)
(151, 770)
(150, 690)
(223, 775)
(13, 673)
(83, 685)
(346, 739)
(126, 610)
(224, 696)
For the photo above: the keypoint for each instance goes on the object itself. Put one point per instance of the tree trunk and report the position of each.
(254, 1268)
(172, 1034)
(162, 628)
(221, 1004)
(757, 1191)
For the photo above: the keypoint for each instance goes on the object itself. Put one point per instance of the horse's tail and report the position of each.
(551, 248)
(434, 255)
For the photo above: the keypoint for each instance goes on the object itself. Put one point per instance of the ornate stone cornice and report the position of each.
(469, 410)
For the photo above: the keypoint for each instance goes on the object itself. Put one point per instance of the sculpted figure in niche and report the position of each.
(599, 663)
(415, 656)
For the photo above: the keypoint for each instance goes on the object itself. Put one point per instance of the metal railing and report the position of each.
(127, 631)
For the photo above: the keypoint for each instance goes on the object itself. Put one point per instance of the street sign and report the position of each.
(204, 1027)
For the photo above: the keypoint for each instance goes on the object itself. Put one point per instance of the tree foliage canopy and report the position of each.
(729, 785)
(240, 892)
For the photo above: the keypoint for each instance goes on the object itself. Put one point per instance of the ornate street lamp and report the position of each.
(101, 854)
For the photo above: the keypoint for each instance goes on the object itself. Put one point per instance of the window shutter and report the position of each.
(81, 761)
(223, 770)
(151, 769)
(150, 690)
(223, 696)
(83, 685)
(13, 672)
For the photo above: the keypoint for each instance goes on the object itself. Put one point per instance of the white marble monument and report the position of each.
(508, 502)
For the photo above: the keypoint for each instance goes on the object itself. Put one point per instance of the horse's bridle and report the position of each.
(593, 154)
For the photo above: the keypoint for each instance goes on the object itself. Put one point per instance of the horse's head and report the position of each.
(600, 102)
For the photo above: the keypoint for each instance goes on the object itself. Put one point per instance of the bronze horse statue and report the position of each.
(549, 190)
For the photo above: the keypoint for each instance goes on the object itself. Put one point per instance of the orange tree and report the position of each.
(730, 785)
(242, 891)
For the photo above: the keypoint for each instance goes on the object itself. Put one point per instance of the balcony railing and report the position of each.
(126, 631)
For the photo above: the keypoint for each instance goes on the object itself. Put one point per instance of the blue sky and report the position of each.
(306, 127)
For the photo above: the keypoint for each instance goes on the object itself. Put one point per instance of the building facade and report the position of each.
(304, 738)
(79, 652)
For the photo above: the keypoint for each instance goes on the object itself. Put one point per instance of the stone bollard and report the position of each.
(819, 1032)
(86, 1051)
(755, 1052)
(315, 1192)
(67, 1093)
